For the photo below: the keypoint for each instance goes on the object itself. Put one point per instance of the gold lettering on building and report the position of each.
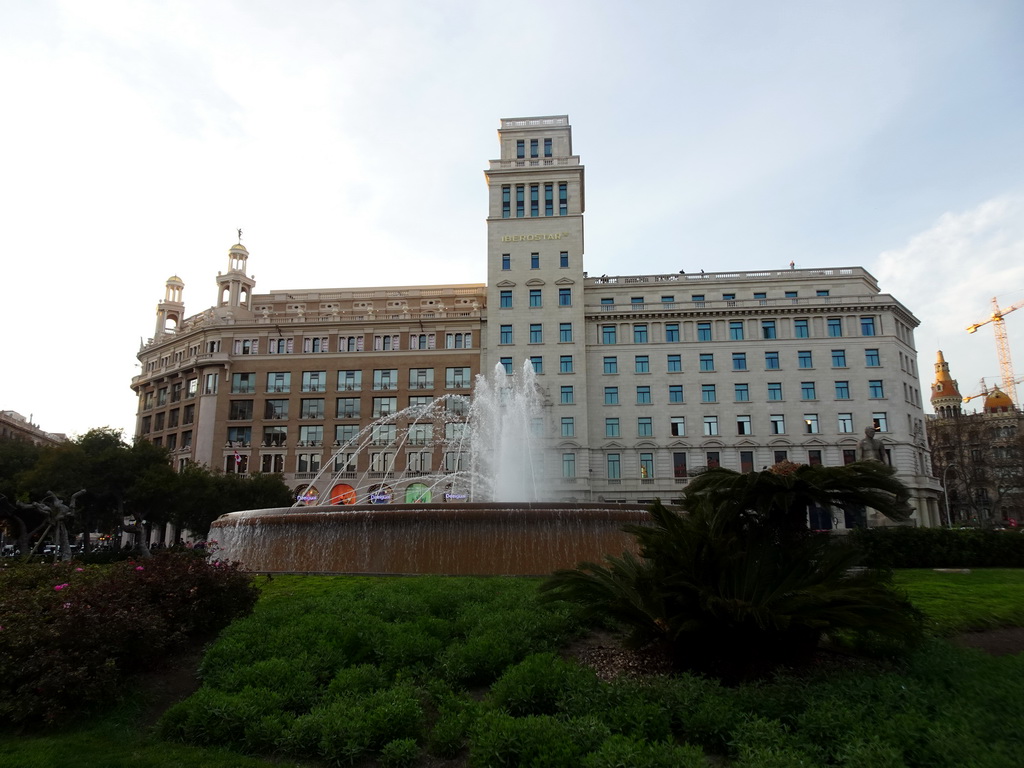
(531, 238)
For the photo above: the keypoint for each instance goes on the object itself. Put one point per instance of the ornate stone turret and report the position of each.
(946, 397)
(171, 311)
(998, 401)
(234, 289)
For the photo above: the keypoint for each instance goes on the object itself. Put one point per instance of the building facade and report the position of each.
(14, 426)
(645, 378)
(979, 457)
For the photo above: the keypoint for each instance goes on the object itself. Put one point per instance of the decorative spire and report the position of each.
(946, 397)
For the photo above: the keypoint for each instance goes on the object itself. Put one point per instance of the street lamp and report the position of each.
(945, 492)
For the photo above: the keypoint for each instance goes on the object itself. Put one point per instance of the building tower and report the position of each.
(171, 311)
(535, 274)
(946, 397)
(234, 289)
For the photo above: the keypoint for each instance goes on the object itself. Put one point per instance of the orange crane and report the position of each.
(1002, 344)
(985, 391)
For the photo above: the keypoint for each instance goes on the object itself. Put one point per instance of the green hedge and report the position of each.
(904, 547)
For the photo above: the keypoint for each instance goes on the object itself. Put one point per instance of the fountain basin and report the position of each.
(505, 539)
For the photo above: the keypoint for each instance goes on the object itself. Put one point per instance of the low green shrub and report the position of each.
(539, 741)
(538, 684)
(623, 751)
(400, 753)
(904, 547)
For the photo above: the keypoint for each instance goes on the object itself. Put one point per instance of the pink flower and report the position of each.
(67, 605)
(139, 568)
(59, 587)
(79, 570)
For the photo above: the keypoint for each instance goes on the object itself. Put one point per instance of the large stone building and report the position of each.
(646, 378)
(14, 426)
(978, 456)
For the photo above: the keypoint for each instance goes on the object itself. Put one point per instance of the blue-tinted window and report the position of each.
(538, 364)
(640, 334)
(835, 327)
(645, 426)
(565, 297)
(671, 331)
(642, 364)
(804, 359)
(611, 365)
(707, 361)
(567, 394)
(506, 261)
(506, 334)
(607, 334)
(768, 329)
(739, 361)
(505, 300)
(842, 390)
(736, 330)
(867, 326)
(506, 363)
(643, 395)
(807, 390)
(771, 360)
(675, 364)
(565, 332)
(703, 331)
(611, 395)
(675, 393)
(875, 388)
(535, 297)
(611, 427)
(871, 358)
(536, 333)
(838, 358)
(707, 393)
(742, 392)
(775, 390)
(801, 329)
(563, 258)
(565, 364)
(534, 261)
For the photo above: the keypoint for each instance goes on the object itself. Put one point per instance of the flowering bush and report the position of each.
(69, 635)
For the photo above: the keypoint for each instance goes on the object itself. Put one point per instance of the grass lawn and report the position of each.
(959, 602)
(463, 670)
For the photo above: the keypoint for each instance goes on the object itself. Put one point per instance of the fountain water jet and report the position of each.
(493, 470)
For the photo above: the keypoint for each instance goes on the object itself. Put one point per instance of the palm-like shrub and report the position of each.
(737, 585)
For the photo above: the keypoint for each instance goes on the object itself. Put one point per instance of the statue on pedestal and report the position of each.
(870, 449)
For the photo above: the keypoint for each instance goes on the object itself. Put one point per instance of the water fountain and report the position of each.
(485, 510)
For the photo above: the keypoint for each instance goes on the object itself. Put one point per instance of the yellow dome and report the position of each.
(175, 279)
(998, 401)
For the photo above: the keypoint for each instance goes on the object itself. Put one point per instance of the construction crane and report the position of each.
(985, 391)
(1002, 344)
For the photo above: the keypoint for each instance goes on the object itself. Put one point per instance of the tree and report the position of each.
(734, 587)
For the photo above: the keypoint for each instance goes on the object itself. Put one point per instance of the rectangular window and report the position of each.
(314, 381)
(778, 423)
(534, 200)
(804, 359)
(239, 409)
(867, 326)
(611, 395)
(384, 406)
(611, 427)
(677, 426)
(385, 342)
(739, 361)
(707, 361)
(535, 300)
(671, 331)
(746, 461)
(742, 392)
(352, 381)
(505, 335)
(871, 358)
(566, 397)
(347, 407)
(811, 423)
(801, 328)
(713, 459)
(707, 393)
(563, 257)
(880, 422)
(838, 358)
(547, 147)
(565, 364)
(520, 201)
(456, 378)
(506, 363)
(643, 395)
(564, 332)
(520, 148)
(611, 365)
(607, 301)
(534, 261)
(315, 344)
(568, 465)
(614, 464)
(703, 331)
(775, 390)
(679, 464)
(247, 346)
(383, 378)
(563, 199)
(807, 390)
(281, 346)
(845, 423)
(549, 200)
(835, 327)
(568, 426)
(608, 334)
(780, 456)
(311, 408)
(243, 383)
(240, 436)
(710, 426)
(767, 329)
(642, 364)
(538, 363)
(675, 393)
(675, 364)
(743, 425)
(565, 297)
(640, 334)
(506, 262)
(842, 390)
(534, 148)
(311, 434)
(791, 294)
(875, 388)
(736, 330)
(505, 300)
(814, 457)
(536, 333)
(646, 465)
(729, 297)
(771, 360)
(645, 426)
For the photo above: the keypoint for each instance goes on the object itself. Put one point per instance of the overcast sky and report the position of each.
(348, 140)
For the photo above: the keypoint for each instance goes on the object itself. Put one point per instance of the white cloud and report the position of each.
(948, 275)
